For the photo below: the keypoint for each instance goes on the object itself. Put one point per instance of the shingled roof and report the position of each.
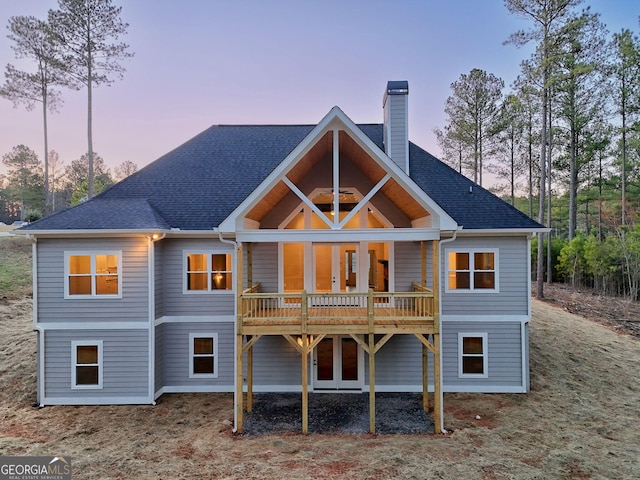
(197, 185)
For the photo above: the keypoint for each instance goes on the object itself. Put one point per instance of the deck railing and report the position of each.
(372, 309)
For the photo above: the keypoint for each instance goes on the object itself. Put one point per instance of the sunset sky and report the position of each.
(198, 63)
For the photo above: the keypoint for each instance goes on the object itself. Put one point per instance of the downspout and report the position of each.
(446, 240)
(235, 330)
(40, 331)
(152, 314)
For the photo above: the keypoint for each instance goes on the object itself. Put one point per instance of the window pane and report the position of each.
(293, 267)
(221, 262)
(349, 359)
(203, 346)
(483, 261)
(197, 281)
(221, 281)
(80, 285)
(484, 280)
(472, 365)
(80, 264)
(472, 345)
(458, 261)
(196, 262)
(459, 280)
(106, 264)
(87, 354)
(87, 375)
(107, 285)
(203, 365)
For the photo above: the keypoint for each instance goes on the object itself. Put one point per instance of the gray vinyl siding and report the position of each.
(159, 359)
(158, 278)
(176, 353)
(132, 307)
(265, 266)
(513, 295)
(395, 114)
(125, 363)
(504, 345)
(407, 265)
(174, 301)
(399, 362)
(275, 362)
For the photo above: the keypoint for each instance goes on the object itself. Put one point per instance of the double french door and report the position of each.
(335, 268)
(338, 364)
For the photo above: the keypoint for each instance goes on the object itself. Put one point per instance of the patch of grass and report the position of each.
(15, 267)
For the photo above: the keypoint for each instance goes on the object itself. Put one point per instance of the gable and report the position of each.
(339, 159)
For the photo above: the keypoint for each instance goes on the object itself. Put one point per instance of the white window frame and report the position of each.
(472, 270)
(484, 355)
(208, 253)
(92, 254)
(74, 363)
(192, 355)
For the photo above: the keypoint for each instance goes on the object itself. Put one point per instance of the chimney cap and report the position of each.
(397, 87)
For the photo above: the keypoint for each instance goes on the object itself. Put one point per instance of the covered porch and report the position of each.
(306, 319)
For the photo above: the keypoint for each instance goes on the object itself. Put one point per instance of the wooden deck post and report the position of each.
(437, 391)
(437, 381)
(423, 264)
(249, 376)
(425, 378)
(372, 383)
(239, 382)
(305, 382)
(239, 393)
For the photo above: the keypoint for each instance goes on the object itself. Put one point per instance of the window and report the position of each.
(208, 272)
(472, 360)
(203, 355)
(86, 364)
(472, 270)
(92, 274)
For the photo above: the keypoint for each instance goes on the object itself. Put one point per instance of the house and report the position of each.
(285, 258)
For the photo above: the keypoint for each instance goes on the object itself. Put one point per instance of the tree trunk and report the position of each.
(47, 194)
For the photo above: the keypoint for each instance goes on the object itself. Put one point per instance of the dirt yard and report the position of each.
(580, 421)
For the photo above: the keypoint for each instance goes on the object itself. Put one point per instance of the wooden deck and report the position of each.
(337, 313)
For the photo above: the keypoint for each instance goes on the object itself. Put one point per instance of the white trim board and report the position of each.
(194, 319)
(83, 326)
(486, 318)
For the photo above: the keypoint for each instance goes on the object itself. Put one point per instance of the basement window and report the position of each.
(203, 354)
(472, 355)
(86, 364)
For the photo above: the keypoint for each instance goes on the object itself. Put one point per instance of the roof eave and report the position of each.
(468, 232)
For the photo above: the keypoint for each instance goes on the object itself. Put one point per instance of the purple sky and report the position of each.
(205, 62)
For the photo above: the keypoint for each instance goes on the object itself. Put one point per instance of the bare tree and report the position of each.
(87, 31)
(125, 169)
(32, 40)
